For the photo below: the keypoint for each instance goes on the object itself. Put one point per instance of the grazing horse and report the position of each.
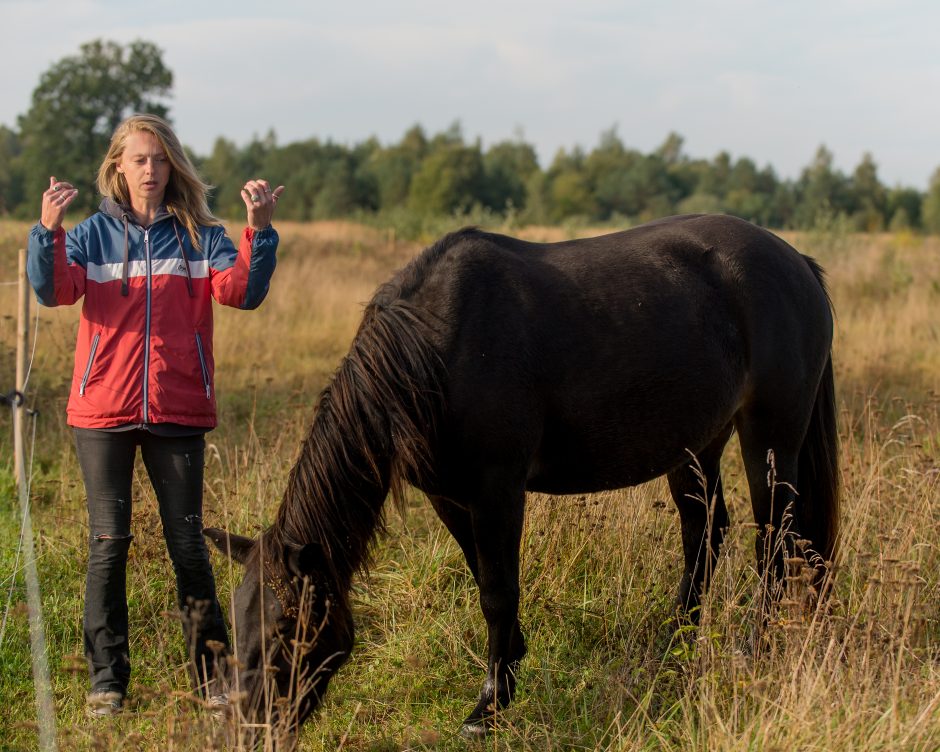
(490, 366)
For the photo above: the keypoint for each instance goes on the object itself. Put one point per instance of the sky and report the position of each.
(767, 80)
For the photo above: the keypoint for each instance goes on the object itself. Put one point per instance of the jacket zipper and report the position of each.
(202, 363)
(91, 360)
(146, 410)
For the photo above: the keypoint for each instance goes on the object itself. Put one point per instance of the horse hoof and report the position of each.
(477, 729)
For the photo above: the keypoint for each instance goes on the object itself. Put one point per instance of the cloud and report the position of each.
(764, 79)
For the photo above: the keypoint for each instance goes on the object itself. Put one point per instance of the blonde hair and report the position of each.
(186, 193)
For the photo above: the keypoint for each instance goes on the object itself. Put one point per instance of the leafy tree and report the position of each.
(900, 220)
(507, 167)
(654, 182)
(255, 156)
(568, 186)
(782, 209)
(320, 175)
(450, 179)
(571, 196)
(222, 169)
(11, 175)
(453, 136)
(903, 207)
(81, 99)
(868, 195)
(414, 142)
(822, 191)
(700, 203)
(391, 170)
(715, 180)
(750, 191)
(79, 102)
(365, 189)
(670, 151)
(930, 211)
(537, 201)
(336, 197)
(609, 173)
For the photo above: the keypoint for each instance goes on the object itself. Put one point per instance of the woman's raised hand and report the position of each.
(55, 202)
(260, 201)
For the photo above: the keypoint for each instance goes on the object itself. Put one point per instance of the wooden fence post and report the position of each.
(22, 345)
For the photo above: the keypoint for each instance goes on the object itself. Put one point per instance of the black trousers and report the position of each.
(175, 466)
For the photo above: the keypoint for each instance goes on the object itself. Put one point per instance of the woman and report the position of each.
(147, 264)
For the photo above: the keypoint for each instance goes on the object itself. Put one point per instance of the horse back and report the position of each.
(601, 362)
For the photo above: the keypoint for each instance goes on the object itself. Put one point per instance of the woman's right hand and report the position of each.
(55, 202)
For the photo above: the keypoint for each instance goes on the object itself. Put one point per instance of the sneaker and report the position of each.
(103, 702)
(219, 706)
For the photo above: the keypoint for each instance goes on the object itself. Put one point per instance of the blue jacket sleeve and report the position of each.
(55, 265)
(263, 260)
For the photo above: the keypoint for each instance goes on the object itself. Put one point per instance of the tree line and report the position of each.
(81, 98)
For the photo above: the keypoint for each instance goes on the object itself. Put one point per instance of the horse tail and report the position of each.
(818, 469)
(818, 473)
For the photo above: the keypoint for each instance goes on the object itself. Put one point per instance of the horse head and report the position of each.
(291, 631)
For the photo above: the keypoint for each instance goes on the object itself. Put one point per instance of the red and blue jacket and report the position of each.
(144, 350)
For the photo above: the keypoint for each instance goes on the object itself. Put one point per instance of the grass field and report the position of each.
(606, 668)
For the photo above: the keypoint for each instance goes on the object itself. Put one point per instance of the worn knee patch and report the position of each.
(107, 550)
(106, 536)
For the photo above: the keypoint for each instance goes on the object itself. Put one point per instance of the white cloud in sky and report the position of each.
(763, 79)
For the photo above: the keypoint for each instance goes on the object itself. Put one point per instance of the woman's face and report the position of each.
(146, 168)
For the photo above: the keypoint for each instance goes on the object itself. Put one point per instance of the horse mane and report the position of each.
(371, 435)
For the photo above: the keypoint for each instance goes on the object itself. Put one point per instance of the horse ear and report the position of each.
(302, 560)
(236, 547)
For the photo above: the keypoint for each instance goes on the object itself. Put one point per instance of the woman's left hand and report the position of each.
(260, 201)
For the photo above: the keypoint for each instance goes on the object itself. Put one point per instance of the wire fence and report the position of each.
(25, 548)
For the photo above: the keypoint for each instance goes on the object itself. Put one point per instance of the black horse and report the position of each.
(490, 366)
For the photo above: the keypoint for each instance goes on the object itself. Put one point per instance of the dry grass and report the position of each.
(607, 668)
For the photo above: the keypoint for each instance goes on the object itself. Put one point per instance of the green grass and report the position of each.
(607, 668)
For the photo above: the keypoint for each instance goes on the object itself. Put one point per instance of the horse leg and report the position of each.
(457, 520)
(497, 533)
(770, 445)
(697, 492)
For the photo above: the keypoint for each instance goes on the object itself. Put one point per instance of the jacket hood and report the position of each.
(115, 210)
